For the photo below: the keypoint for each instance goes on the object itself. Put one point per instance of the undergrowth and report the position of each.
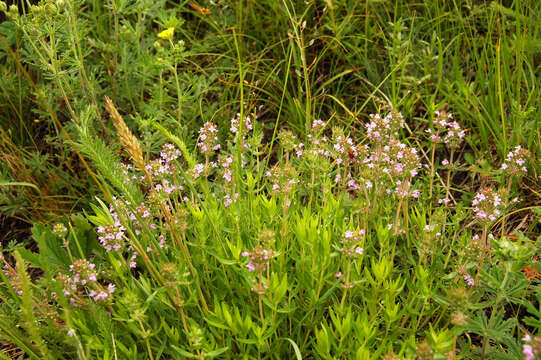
(271, 179)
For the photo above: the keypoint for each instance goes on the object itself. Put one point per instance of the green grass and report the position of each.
(284, 64)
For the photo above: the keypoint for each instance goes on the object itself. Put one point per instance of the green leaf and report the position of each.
(295, 348)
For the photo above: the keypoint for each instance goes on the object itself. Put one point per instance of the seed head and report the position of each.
(127, 139)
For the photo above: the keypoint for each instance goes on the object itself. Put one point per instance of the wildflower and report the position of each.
(198, 170)
(208, 139)
(235, 123)
(487, 205)
(161, 243)
(446, 130)
(530, 348)
(259, 258)
(444, 201)
(111, 236)
(60, 230)
(528, 352)
(345, 151)
(515, 162)
(403, 190)
(352, 185)
(167, 33)
(132, 264)
(241, 130)
(228, 200)
(317, 126)
(469, 280)
(169, 153)
(102, 295)
(350, 242)
(159, 168)
(381, 129)
(13, 277)
(225, 162)
(287, 140)
(283, 178)
(83, 272)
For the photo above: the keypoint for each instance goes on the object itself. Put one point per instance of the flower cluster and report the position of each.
(386, 162)
(446, 130)
(318, 145)
(382, 129)
(83, 271)
(144, 213)
(83, 280)
(531, 347)
(351, 183)
(350, 243)
(259, 261)
(344, 150)
(317, 126)
(469, 280)
(199, 170)
(474, 250)
(283, 178)
(400, 161)
(229, 199)
(287, 140)
(164, 187)
(169, 153)
(208, 139)
(127, 171)
(259, 258)
(103, 294)
(60, 230)
(111, 236)
(160, 168)
(239, 129)
(403, 190)
(515, 162)
(226, 162)
(487, 205)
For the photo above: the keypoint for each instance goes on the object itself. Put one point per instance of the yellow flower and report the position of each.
(167, 34)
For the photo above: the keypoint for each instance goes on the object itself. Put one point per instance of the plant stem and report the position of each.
(260, 299)
(432, 170)
(448, 184)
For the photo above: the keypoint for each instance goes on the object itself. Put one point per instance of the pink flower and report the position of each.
(528, 352)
